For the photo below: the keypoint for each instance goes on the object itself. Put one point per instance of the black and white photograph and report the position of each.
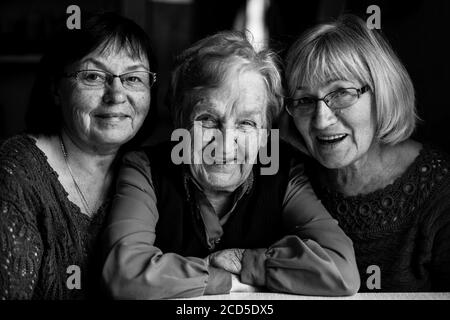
(224, 155)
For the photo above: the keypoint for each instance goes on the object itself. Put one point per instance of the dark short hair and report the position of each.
(204, 66)
(98, 31)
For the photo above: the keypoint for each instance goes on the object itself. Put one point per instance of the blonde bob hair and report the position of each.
(347, 50)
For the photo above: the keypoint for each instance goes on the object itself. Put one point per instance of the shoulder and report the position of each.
(136, 158)
(434, 169)
(423, 165)
(425, 182)
(20, 153)
(433, 166)
(415, 153)
(20, 161)
(429, 175)
(148, 156)
(17, 148)
(135, 169)
(143, 165)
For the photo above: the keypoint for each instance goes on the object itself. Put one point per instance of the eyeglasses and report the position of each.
(335, 100)
(97, 79)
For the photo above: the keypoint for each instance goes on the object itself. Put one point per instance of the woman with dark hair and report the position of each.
(91, 97)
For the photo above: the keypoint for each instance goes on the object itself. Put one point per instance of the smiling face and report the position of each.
(338, 139)
(103, 117)
(230, 118)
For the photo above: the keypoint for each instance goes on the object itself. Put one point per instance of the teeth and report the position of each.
(111, 116)
(224, 163)
(334, 137)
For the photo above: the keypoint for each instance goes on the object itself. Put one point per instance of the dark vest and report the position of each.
(255, 222)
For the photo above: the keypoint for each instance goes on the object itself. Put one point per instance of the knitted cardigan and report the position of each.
(46, 242)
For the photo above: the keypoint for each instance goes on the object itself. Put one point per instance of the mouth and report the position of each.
(331, 140)
(111, 116)
(224, 162)
(221, 167)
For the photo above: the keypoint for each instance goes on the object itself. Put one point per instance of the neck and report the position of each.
(219, 200)
(361, 176)
(87, 158)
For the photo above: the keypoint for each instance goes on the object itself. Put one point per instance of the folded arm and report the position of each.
(314, 258)
(134, 268)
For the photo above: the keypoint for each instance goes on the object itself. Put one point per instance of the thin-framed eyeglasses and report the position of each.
(97, 79)
(336, 101)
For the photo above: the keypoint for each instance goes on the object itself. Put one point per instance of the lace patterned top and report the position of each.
(404, 228)
(42, 233)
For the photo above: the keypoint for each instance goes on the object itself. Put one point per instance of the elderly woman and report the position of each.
(55, 180)
(352, 109)
(220, 225)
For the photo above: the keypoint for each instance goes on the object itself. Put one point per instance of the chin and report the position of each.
(333, 162)
(222, 182)
(331, 158)
(216, 180)
(113, 137)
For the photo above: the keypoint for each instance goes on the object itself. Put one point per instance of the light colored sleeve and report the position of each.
(134, 268)
(314, 257)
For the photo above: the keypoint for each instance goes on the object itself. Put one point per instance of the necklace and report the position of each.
(80, 194)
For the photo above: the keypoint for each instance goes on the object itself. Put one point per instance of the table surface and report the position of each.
(358, 296)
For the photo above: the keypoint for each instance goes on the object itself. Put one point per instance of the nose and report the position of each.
(114, 92)
(228, 145)
(323, 116)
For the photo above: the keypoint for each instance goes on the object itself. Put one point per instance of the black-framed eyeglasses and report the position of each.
(336, 100)
(97, 79)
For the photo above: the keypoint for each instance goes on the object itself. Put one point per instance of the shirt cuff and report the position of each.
(219, 281)
(254, 267)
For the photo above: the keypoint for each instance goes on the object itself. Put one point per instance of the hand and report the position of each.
(228, 259)
(238, 286)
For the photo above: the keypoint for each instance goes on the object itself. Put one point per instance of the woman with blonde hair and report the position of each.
(351, 107)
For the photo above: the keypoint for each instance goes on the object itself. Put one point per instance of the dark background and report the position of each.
(418, 30)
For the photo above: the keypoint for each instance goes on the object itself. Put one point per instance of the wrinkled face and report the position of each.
(103, 117)
(336, 139)
(226, 131)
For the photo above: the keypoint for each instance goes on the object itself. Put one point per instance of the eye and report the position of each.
(208, 121)
(343, 93)
(304, 101)
(248, 124)
(92, 76)
(133, 79)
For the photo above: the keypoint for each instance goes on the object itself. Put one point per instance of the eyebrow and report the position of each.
(207, 106)
(252, 113)
(101, 65)
(204, 106)
(329, 82)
